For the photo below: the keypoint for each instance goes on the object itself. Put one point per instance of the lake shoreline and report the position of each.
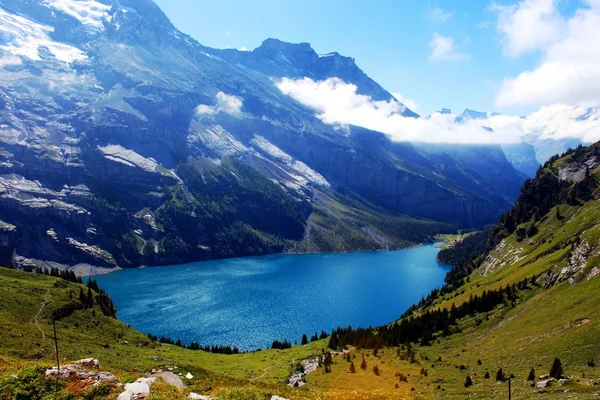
(277, 296)
(96, 271)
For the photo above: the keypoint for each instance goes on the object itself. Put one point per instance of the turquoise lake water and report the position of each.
(249, 302)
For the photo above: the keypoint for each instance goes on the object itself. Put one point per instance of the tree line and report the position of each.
(216, 349)
(422, 327)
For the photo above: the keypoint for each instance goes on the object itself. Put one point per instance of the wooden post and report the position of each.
(57, 357)
(509, 391)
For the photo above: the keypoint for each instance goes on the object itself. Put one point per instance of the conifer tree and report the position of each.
(304, 340)
(556, 371)
(352, 369)
(468, 381)
(531, 376)
(90, 298)
(500, 375)
(363, 364)
(376, 370)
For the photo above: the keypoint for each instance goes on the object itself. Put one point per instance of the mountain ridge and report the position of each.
(98, 124)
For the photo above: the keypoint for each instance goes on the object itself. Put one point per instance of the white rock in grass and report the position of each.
(189, 376)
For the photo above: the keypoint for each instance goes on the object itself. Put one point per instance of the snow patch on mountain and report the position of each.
(90, 13)
(130, 158)
(284, 158)
(20, 36)
(215, 138)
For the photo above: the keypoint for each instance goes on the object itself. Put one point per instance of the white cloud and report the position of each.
(338, 103)
(569, 70)
(528, 26)
(407, 102)
(436, 14)
(442, 49)
(225, 103)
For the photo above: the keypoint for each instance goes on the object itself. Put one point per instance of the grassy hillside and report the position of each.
(547, 250)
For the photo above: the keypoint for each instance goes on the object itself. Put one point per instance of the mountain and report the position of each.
(124, 142)
(534, 149)
(280, 59)
(521, 299)
(523, 157)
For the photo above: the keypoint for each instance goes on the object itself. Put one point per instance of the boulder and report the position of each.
(137, 390)
(189, 376)
(197, 396)
(106, 377)
(543, 384)
(88, 362)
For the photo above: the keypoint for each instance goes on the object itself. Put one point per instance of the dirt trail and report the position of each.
(42, 305)
(266, 370)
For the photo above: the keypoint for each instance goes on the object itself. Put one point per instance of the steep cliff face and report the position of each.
(102, 107)
(553, 226)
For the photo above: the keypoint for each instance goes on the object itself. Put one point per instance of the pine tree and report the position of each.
(500, 375)
(487, 375)
(531, 376)
(333, 342)
(376, 370)
(556, 371)
(90, 298)
(352, 369)
(82, 298)
(468, 381)
(304, 340)
(363, 364)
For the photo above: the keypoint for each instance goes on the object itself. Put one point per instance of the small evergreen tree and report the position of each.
(487, 375)
(363, 364)
(531, 376)
(82, 298)
(468, 381)
(90, 298)
(500, 375)
(333, 342)
(556, 371)
(352, 368)
(376, 370)
(304, 340)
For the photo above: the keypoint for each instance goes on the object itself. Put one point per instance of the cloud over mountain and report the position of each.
(337, 102)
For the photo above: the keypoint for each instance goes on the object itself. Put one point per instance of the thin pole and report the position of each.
(57, 357)
(509, 391)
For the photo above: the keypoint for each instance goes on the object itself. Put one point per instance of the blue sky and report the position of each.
(391, 40)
